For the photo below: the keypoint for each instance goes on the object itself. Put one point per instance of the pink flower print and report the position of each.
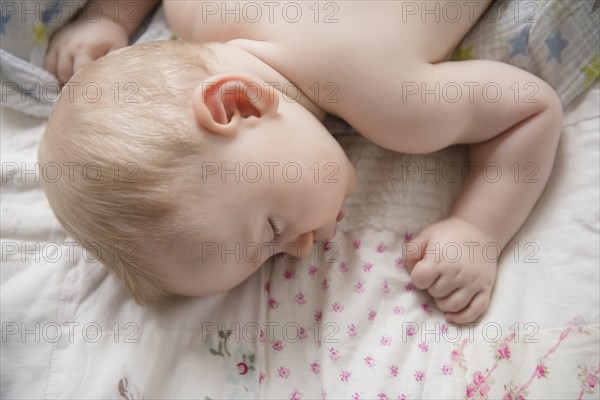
(385, 340)
(446, 369)
(296, 395)
(402, 397)
(289, 274)
(424, 347)
(337, 307)
(382, 396)
(356, 396)
(444, 328)
(300, 299)
(267, 286)
(455, 355)
(261, 378)
(410, 330)
(540, 371)
(283, 372)
(312, 270)
(323, 394)
(419, 376)
(327, 246)
(359, 287)
(394, 370)
(381, 248)
(352, 330)
(470, 392)
(385, 287)
(426, 308)
(318, 316)
(399, 262)
(372, 315)
(398, 310)
(278, 345)
(344, 267)
(512, 396)
(324, 284)
(367, 267)
(356, 244)
(369, 361)
(345, 376)
(242, 368)
(408, 237)
(302, 333)
(273, 304)
(315, 368)
(503, 351)
(410, 287)
(591, 380)
(261, 336)
(478, 378)
(334, 354)
(483, 390)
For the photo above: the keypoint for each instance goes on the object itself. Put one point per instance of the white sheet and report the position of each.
(55, 303)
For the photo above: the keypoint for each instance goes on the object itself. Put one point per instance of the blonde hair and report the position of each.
(122, 135)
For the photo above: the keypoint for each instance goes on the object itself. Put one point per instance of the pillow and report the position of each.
(25, 28)
(556, 40)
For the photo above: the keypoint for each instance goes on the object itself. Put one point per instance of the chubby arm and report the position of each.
(101, 27)
(512, 120)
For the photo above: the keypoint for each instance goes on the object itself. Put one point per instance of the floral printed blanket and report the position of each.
(344, 324)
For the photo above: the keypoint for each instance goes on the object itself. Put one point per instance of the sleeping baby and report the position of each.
(191, 162)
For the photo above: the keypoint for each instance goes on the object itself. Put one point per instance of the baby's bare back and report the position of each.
(350, 57)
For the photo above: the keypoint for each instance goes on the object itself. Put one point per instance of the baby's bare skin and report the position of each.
(382, 67)
(375, 55)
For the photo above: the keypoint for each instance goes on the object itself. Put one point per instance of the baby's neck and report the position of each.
(236, 56)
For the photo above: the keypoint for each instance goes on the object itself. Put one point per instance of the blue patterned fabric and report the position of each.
(557, 40)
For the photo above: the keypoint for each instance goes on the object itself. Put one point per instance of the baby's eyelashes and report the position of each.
(275, 228)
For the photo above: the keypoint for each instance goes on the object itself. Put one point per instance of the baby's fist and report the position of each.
(76, 45)
(446, 259)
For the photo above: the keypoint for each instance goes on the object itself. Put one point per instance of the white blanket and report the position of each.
(345, 324)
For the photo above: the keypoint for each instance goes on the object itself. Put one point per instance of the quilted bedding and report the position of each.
(345, 323)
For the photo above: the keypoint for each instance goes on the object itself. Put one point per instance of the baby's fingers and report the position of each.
(424, 274)
(64, 66)
(81, 59)
(413, 252)
(474, 310)
(51, 60)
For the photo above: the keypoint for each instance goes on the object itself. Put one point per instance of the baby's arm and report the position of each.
(101, 27)
(513, 121)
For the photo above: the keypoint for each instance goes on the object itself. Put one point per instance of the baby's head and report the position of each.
(176, 171)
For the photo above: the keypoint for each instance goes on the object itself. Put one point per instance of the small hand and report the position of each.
(79, 43)
(448, 260)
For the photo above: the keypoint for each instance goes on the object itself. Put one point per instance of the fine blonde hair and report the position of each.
(122, 135)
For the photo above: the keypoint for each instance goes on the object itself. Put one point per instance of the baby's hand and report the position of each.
(77, 44)
(450, 260)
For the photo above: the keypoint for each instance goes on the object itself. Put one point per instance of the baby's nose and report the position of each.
(301, 246)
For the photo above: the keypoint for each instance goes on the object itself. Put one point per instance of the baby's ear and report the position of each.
(221, 101)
